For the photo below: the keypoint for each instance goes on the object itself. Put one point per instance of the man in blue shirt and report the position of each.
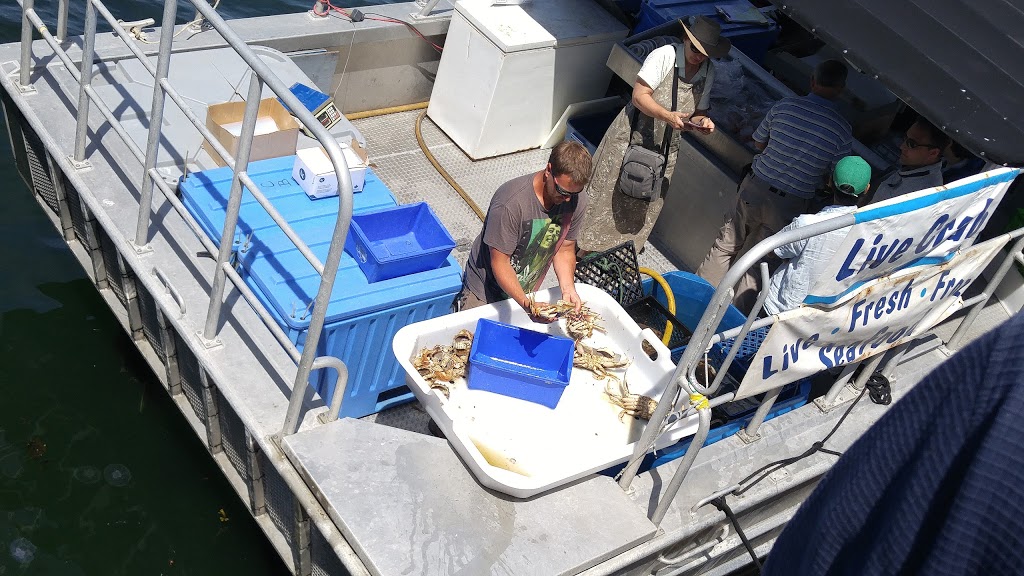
(805, 259)
(801, 139)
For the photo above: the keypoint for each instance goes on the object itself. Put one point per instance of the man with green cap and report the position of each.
(805, 259)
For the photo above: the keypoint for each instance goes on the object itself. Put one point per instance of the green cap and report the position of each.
(852, 175)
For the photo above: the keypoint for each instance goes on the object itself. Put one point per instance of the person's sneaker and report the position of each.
(434, 429)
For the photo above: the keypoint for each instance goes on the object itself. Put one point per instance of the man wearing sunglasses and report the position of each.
(531, 225)
(920, 162)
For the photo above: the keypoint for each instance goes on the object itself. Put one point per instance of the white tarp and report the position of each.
(917, 229)
(878, 316)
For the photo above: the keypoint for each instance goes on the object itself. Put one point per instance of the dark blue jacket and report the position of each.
(936, 487)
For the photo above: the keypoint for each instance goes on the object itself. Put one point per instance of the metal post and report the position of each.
(961, 331)
(85, 80)
(889, 367)
(749, 434)
(425, 11)
(840, 383)
(156, 118)
(703, 427)
(252, 108)
(62, 19)
(735, 348)
(25, 73)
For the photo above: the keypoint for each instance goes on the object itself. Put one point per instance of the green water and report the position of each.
(99, 472)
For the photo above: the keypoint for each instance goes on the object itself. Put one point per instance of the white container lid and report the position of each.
(541, 23)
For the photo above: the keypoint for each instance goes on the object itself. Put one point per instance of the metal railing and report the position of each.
(684, 380)
(261, 75)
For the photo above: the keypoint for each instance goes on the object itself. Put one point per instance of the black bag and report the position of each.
(643, 169)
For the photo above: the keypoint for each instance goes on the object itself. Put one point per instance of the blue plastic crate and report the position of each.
(205, 194)
(398, 240)
(519, 363)
(589, 129)
(754, 40)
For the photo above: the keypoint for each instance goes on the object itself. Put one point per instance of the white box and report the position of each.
(510, 71)
(314, 172)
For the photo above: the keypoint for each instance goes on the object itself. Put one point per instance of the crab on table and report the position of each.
(600, 361)
(549, 311)
(580, 325)
(442, 364)
(634, 405)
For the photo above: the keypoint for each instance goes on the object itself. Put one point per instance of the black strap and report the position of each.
(667, 140)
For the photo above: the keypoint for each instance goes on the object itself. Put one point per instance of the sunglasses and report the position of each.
(911, 143)
(562, 191)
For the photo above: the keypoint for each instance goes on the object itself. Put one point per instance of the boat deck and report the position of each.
(381, 499)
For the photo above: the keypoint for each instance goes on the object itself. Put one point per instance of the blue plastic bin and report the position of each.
(205, 194)
(519, 363)
(398, 240)
(361, 319)
(590, 128)
(754, 40)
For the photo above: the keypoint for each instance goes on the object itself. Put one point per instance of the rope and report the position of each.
(721, 504)
(444, 173)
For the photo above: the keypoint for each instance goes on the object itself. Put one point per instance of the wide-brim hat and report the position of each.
(706, 35)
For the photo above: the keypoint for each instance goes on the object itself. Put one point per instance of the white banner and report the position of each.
(917, 229)
(884, 314)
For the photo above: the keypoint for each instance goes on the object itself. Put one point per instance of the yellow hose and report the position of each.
(444, 173)
(383, 111)
(669, 297)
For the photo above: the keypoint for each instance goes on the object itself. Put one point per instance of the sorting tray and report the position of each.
(398, 240)
(522, 448)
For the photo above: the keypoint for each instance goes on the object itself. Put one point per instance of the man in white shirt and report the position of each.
(920, 162)
(805, 259)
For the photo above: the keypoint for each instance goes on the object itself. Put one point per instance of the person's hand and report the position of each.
(531, 311)
(704, 124)
(677, 120)
(569, 295)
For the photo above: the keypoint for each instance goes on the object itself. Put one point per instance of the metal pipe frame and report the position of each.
(84, 79)
(156, 120)
(252, 109)
(703, 427)
(744, 330)
(762, 411)
(62, 21)
(25, 71)
(1015, 250)
(840, 383)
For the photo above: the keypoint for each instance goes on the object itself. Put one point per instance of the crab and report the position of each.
(461, 344)
(549, 311)
(580, 325)
(600, 361)
(634, 405)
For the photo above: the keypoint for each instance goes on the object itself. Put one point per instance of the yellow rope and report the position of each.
(383, 111)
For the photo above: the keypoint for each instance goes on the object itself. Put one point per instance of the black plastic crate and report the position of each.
(615, 271)
(649, 313)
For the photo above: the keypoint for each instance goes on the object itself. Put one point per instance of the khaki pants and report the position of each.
(466, 300)
(758, 214)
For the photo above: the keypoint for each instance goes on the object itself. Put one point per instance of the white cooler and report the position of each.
(508, 72)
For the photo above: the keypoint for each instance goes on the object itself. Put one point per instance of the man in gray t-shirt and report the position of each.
(532, 223)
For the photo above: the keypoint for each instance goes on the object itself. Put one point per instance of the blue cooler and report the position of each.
(205, 194)
(362, 318)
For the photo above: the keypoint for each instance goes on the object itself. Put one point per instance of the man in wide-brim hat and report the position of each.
(671, 94)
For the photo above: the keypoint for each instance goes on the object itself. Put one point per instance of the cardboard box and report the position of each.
(276, 130)
(314, 172)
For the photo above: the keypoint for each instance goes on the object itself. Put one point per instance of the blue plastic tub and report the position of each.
(205, 194)
(589, 129)
(519, 363)
(398, 240)
(754, 40)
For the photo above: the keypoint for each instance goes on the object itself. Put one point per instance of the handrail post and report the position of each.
(62, 20)
(749, 434)
(703, 427)
(252, 109)
(997, 278)
(84, 81)
(156, 118)
(25, 73)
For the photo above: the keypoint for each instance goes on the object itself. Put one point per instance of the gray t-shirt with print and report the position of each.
(518, 225)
